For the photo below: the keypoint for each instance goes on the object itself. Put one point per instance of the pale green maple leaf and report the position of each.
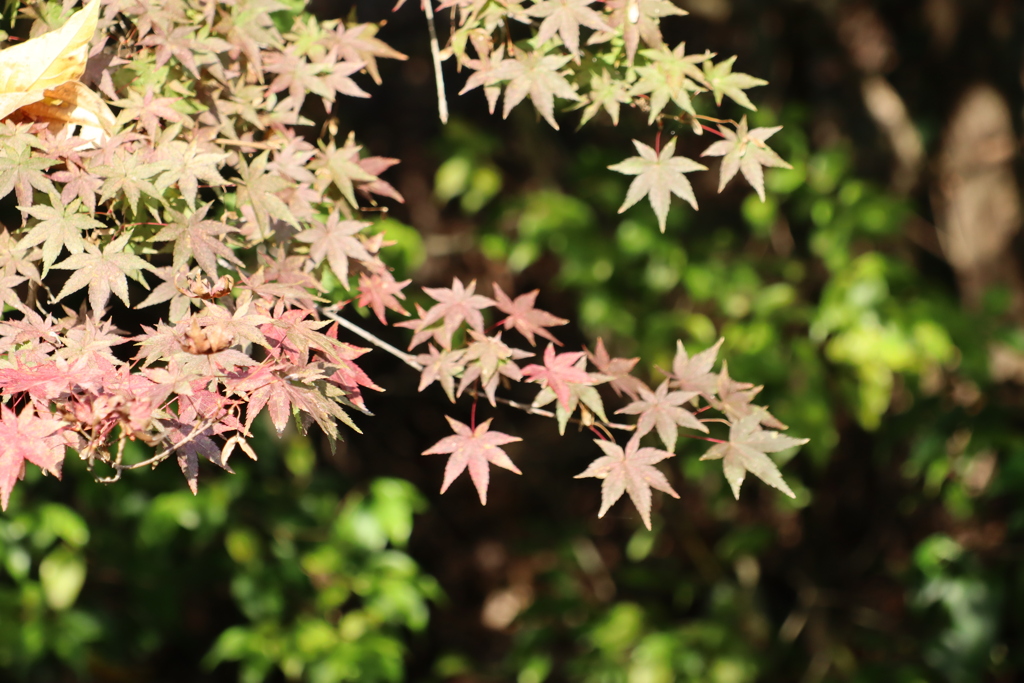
(103, 272)
(658, 177)
(537, 76)
(60, 227)
(565, 17)
(723, 81)
(745, 150)
(745, 452)
(608, 92)
(670, 76)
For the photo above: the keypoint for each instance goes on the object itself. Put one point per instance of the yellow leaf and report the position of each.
(50, 59)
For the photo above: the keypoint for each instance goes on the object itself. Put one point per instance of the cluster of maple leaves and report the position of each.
(182, 170)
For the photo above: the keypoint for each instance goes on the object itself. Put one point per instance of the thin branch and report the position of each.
(406, 358)
(435, 53)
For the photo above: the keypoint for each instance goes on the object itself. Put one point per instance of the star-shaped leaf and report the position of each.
(745, 150)
(658, 177)
(609, 92)
(103, 272)
(629, 471)
(638, 20)
(195, 237)
(336, 241)
(473, 448)
(533, 74)
(441, 367)
(60, 227)
(694, 374)
(565, 17)
(522, 315)
(456, 304)
(671, 75)
(27, 437)
(617, 370)
(558, 372)
(745, 452)
(724, 81)
(661, 410)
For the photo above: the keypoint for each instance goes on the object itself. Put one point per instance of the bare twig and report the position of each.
(406, 358)
(435, 53)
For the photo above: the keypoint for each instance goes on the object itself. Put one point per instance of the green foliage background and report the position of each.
(897, 561)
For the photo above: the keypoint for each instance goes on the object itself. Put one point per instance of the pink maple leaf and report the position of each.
(558, 372)
(523, 316)
(27, 437)
(473, 448)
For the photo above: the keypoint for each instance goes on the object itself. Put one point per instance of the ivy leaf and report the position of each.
(533, 74)
(694, 374)
(558, 372)
(473, 448)
(629, 471)
(195, 237)
(660, 409)
(723, 81)
(27, 437)
(745, 150)
(524, 317)
(658, 177)
(336, 242)
(670, 76)
(60, 227)
(745, 452)
(104, 272)
(565, 17)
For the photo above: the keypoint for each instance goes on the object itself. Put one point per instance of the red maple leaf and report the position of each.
(618, 370)
(522, 315)
(456, 304)
(629, 471)
(380, 290)
(27, 437)
(558, 372)
(473, 448)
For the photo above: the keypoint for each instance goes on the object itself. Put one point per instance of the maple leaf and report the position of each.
(341, 168)
(487, 359)
(440, 367)
(26, 437)
(336, 242)
(167, 290)
(660, 409)
(629, 471)
(608, 92)
(257, 195)
(694, 374)
(745, 452)
(637, 20)
(358, 43)
(148, 109)
(60, 227)
(198, 238)
(745, 150)
(524, 317)
(592, 406)
(558, 372)
(20, 172)
(617, 370)
(456, 305)
(533, 74)
(126, 173)
(78, 183)
(658, 177)
(670, 76)
(379, 290)
(723, 81)
(734, 399)
(473, 449)
(104, 272)
(186, 165)
(565, 17)
(484, 70)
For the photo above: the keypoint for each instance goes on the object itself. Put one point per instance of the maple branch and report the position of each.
(406, 358)
(435, 53)
(247, 143)
(527, 408)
